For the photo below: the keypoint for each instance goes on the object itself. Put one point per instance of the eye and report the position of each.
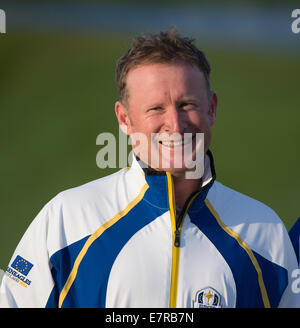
(157, 108)
(188, 106)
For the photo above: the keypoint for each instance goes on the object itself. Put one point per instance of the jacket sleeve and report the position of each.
(294, 234)
(291, 295)
(28, 281)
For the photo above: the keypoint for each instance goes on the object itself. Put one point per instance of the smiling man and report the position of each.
(156, 235)
(166, 99)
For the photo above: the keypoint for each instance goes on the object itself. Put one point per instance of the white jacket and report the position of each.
(114, 242)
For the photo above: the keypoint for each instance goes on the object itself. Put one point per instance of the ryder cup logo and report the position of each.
(2, 21)
(207, 298)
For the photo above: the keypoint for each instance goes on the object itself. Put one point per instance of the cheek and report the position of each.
(146, 125)
(199, 121)
(204, 118)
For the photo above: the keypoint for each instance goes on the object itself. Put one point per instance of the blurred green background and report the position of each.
(57, 93)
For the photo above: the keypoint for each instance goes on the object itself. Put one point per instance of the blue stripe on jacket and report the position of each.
(244, 273)
(90, 284)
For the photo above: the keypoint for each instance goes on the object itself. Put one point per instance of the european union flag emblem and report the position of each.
(22, 265)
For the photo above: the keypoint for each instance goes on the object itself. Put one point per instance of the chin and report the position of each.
(176, 171)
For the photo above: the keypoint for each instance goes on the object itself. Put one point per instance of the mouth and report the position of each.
(176, 143)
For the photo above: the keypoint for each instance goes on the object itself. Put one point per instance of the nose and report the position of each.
(174, 122)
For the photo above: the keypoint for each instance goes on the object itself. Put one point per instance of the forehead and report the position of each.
(156, 78)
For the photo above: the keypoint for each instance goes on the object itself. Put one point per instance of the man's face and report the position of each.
(164, 100)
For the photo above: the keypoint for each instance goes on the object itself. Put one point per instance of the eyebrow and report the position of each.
(180, 100)
(188, 99)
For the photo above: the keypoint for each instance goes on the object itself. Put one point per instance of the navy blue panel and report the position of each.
(89, 287)
(53, 298)
(295, 238)
(62, 263)
(275, 278)
(159, 191)
(244, 273)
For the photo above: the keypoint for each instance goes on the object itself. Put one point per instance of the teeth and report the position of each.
(174, 143)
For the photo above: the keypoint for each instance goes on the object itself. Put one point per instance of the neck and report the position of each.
(183, 188)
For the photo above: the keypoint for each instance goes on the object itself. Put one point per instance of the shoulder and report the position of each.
(246, 207)
(102, 187)
(76, 213)
(257, 224)
(77, 202)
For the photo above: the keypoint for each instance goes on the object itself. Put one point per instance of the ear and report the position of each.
(123, 118)
(213, 107)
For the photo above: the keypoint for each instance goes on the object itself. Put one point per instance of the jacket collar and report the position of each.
(157, 181)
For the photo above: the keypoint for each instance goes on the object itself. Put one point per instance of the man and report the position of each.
(152, 235)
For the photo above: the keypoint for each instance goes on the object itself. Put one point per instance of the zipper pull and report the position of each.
(177, 238)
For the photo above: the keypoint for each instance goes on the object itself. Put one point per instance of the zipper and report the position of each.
(172, 206)
(181, 216)
(177, 237)
(176, 231)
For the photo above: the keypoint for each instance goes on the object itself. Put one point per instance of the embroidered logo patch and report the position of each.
(19, 270)
(22, 265)
(207, 298)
